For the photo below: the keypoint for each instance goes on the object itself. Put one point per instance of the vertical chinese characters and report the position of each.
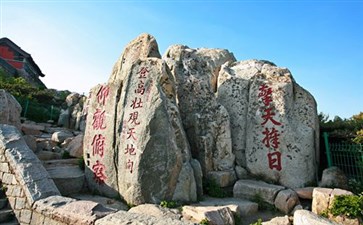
(99, 141)
(133, 120)
(271, 135)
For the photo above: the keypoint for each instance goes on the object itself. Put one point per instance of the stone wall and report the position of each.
(34, 197)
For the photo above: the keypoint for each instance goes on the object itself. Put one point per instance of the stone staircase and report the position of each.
(7, 216)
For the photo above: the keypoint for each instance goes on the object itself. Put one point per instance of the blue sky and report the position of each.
(76, 43)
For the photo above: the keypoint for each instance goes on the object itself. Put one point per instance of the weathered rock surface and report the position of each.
(109, 203)
(216, 215)
(305, 217)
(123, 218)
(156, 211)
(206, 122)
(31, 141)
(238, 206)
(274, 123)
(73, 116)
(60, 136)
(334, 177)
(75, 146)
(286, 200)
(135, 142)
(70, 210)
(25, 165)
(305, 193)
(32, 128)
(249, 189)
(278, 221)
(10, 109)
(323, 198)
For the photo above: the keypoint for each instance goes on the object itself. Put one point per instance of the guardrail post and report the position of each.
(327, 149)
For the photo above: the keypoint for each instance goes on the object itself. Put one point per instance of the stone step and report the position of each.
(6, 215)
(239, 206)
(67, 175)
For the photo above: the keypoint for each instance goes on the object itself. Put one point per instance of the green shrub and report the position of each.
(169, 204)
(348, 205)
(39, 104)
(258, 222)
(204, 222)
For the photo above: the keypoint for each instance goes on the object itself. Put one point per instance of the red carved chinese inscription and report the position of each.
(271, 135)
(130, 149)
(102, 94)
(137, 103)
(271, 138)
(140, 88)
(265, 94)
(274, 160)
(99, 172)
(130, 165)
(133, 118)
(98, 145)
(99, 119)
(143, 72)
(269, 117)
(131, 133)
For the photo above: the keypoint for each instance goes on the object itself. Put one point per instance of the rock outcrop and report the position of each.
(158, 127)
(205, 121)
(274, 122)
(73, 116)
(10, 109)
(134, 142)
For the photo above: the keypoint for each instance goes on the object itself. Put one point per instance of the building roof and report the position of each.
(26, 55)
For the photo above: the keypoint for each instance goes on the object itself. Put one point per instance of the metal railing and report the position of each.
(348, 157)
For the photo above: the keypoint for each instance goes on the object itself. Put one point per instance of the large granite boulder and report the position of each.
(73, 115)
(134, 143)
(10, 109)
(274, 123)
(205, 121)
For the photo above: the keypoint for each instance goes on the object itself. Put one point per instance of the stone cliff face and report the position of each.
(162, 124)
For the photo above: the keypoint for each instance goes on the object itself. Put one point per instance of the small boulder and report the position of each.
(305, 217)
(32, 129)
(334, 177)
(60, 136)
(75, 147)
(251, 188)
(238, 206)
(321, 198)
(305, 193)
(223, 178)
(281, 220)
(286, 200)
(215, 215)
